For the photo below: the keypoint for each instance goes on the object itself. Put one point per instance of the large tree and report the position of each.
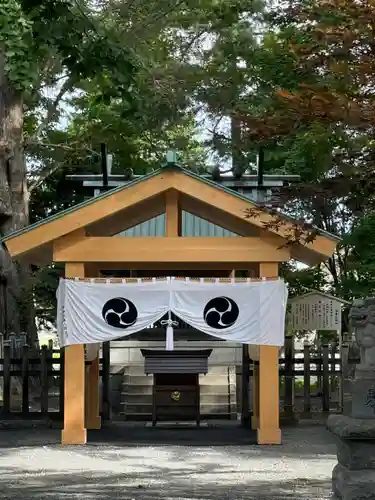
(313, 109)
(63, 45)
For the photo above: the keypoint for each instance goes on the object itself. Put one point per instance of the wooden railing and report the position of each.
(311, 380)
(33, 382)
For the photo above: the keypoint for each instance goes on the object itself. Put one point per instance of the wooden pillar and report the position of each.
(173, 214)
(74, 431)
(268, 430)
(93, 420)
(255, 393)
(245, 379)
(92, 382)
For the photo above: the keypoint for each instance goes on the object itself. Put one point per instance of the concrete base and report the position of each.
(353, 478)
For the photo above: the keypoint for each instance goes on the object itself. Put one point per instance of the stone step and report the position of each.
(204, 389)
(137, 380)
(205, 380)
(214, 378)
(136, 416)
(219, 399)
(147, 403)
(134, 370)
(136, 389)
(146, 409)
(139, 370)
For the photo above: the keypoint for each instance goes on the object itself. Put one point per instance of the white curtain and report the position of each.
(98, 312)
(251, 312)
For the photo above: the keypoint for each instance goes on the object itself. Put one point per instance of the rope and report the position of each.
(163, 278)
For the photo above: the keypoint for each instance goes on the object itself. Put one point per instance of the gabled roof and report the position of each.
(142, 199)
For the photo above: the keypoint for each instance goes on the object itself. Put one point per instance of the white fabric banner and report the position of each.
(98, 312)
(251, 312)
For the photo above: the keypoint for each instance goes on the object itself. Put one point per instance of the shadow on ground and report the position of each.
(183, 436)
(140, 463)
(156, 485)
(127, 436)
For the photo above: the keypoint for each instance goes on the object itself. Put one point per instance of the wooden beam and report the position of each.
(212, 214)
(234, 206)
(109, 226)
(161, 249)
(173, 214)
(165, 268)
(107, 215)
(88, 214)
(74, 431)
(268, 431)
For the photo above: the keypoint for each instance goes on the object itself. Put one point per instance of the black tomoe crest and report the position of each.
(221, 312)
(119, 313)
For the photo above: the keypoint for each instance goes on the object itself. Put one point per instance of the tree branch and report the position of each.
(45, 172)
(52, 108)
(43, 175)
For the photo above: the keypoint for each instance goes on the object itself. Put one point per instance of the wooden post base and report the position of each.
(74, 436)
(269, 436)
(94, 422)
(255, 397)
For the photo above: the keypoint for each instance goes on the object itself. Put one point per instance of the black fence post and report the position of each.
(306, 380)
(106, 369)
(25, 380)
(289, 379)
(325, 377)
(7, 378)
(245, 392)
(44, 381)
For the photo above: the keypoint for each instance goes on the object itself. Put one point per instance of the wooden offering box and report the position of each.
(176, 383)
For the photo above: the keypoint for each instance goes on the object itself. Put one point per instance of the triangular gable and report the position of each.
(143, 199)
(321, 294)
(191, 226)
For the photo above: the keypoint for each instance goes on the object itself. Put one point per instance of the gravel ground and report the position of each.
(147, 464)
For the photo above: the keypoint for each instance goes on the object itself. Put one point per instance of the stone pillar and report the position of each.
(268, 429)
(74, 431)
(353, 478)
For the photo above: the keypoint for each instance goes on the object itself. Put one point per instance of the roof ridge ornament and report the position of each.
(171, 160)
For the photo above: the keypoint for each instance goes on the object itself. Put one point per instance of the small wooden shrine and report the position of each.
(176, 391)
(82, 238)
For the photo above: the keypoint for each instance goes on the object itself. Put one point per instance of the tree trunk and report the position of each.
(14, 206)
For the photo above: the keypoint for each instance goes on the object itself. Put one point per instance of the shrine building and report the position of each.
(97, 242)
